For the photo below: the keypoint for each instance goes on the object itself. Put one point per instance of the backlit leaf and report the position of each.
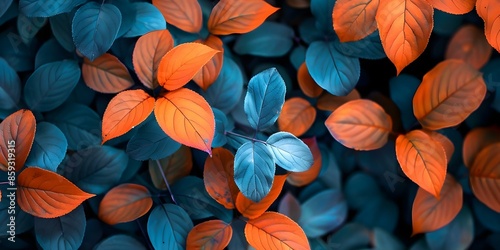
(447, 144)
(308, 86)
(329, 102)
(37, 8)
(476, 140)
(209, 73)
(354, 20)
(485, 176)
(174, 167)
(490, 13)
(49, 147)
(297, 116)
(300, 179)
(212, 234)
(290, 152)
(470, 45)
(168, 227)
(18, 133)
(218, 176)
(456, 7)
(64, 232)
(185, 15)
(106, 74)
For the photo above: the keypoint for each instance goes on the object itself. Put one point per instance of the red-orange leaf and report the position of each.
(307, 83)
(423, 160)
(209, 73)
(185, 15)
(236, 16)
(329, 102)
(448, 94)
(187, 118)
(17, 132)
(354, 20)
(182, 63)
(218, 175)
(405, 27)
(275, 231)
(300, 179)
(297, 116)
(148, 52)
(476, 140)
(470, 45)
(125, 203)
(447, 144)
(360, 124)
(485, 176)
(106, 74)
(125, 111)
(212, 234)
(488, 10)
(45, 194)
(429, 213)
(174, 167)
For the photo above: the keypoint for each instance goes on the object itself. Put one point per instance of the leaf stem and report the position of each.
(145, 235)
(231, 133)
(165, 180)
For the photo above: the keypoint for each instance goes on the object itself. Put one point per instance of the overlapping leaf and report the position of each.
(290, 152)
(456, 7)
(212, 234)
(207, 75)
(485, 176)
(168, 227)
(329, 102)
(307, 83)
(354, 20)
(49, 147)
(490, 14)
(37, 8)
(10, 86)
(300, 179)
(476, 140)
(470, 45)
(18, 133)
(174, 167)
(106, 74)
(218, 176)
(297, 116)
(185, 15)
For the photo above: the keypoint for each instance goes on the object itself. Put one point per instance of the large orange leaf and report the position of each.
(300, 179)
(447, 144)
(17, 132)
(470, 45)
(307, 83)
(488, 10)
(174, 167)
(275, 231)
(429, 213)
(106, 74)
(148, 52)
(448, 94)
(297, 116)
(405, 27)
(187, 118)
(354, 20)
(46, 194)
(125, 111)
(236, 16)
(360, 124)
(212, 234)
(456, 7)
(209, 73)
(185, 15)
(476, 140)
(329, 102)
(125, 203)
(423, 160)
(182, 63)
(218, 175)
(485, 176)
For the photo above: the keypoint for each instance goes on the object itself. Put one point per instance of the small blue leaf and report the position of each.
(27, 27)
(61, 29)
(359, 188)
(19, 55)
(369, 47)
(402, 89)
(221, 126)
(462, 228)
(10, 86)
(47, 8)
(168, 227)
(4, 6)
(298, 56)
(120, 242)
(290, 152)
(49, 147)
(350, 236)
(270, 39)
(147, 18)
(51, 51)
(322, 11)
(95, 28)
(308, 31)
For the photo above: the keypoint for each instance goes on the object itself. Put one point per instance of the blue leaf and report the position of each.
(332, 70)
(457, 235)
(95, 28)
(308, 31)
(51, 51)
(65, 232)
(4, 6)
(290, 152)
(351, 236)
(120, 242)
(282, 71)
(82, 94)
(8, 12)
(168, 227)
(27, 27)
(93, 232)
(238, 240)
(402, 89)
(50, 85)
(254, 169)
(147, 18)
(47, 8)
(9, 207)
(298, 56)
(385, 240)
(322, 11)
(49, 147)
(330, 173)
(61, 29)
(369, 47)
(359, 188)
(221, 126)
(10, 86)
(128, 15)
(19, 55)
(270, 39)
(378, 213)
(264, 99)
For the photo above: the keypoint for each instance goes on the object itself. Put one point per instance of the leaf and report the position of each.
(290, 206)
(453, 6)
(423, 160)
(61, 26)
(369, 47)
(448, 94)
(447, 144)
(275, 231)
(207, 75)
(168, 227)
(37, 8)
(147, 19)
(297, 116)
(4, 6)
(49, 147)
(124, 203)
(430, 214)
(233, 16)
(36, 186)
(308, 86)
(300, 179)
(360, 124)
(28, 27)
(50, 52)
(119, 241)
(402, 89)
(18, 133)
(322, 12)
(185, 15)
(174, 167)
(212, 234)
(218, 176)
(379, 212)
(254, 168)
(485, 176)
(329, 102)
(299, 4)
(181, 64)
(264, 99)
(50, 85)
(95, 27)
(222, 125)
(470, 45)
(270, 39)
(290, 152)
(405, 27)
(125, 111)
(476, 140)
(351, 236)
(489, 13)
(187, 118)
(354, 20)
(10, 86)
(333, 71)
(106, 74)
(446, 237)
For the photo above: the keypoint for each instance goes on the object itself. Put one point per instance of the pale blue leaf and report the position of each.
(10, 86)
(290, 152)
(49, 147)
(120, 242)
(47, 8)
(270, 39)
(168, 227)
(27, 27)
(308, 31)
(369, 47)
(457, 235)
(61, 29)
(147, 18)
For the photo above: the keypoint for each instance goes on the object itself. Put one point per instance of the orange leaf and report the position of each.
(476, 140)
(148, 52)
(236, 16)
(187, 118)
(300, 179)
(17, 132)
(209, 73)
(485, 176)
(447, 144)
(297, 116)
(106, 74)
(125, 111)
(490, 13)
(174, 167)
(275, 231)
(354, 20)
(405, 27)
(45, 194)
(212, 234)
(423, 160)
(307, 83)
(429, 213)
(218, 175)
(182, 63)
(251, 209)
(125, 203)
(185, 15)
(456, 7)
(448, 94)
(329, 102)
(360, 124)
(470, 45)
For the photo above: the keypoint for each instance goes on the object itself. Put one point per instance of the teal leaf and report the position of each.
(322, 12)
(402, 89)
(378, 213)
(270, 39)
(128, 15)
(385, 240)
(298, 56)
(290, 152)
(221, 126)
(27, 27)
(49, 147)
(120, 242)
(61, 29)
(47, 8)
(9, 10)
(19, 55)
(82, 94)
(369, 47)
(147, 18)
(308, 31)
(10, 86)
(51, 51)
(168, 227)
(359, 188)
(4, 6)
(462, 227)
(351, 236)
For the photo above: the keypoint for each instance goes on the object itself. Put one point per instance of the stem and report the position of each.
(230, 133)
(165, 180)
(144, 234)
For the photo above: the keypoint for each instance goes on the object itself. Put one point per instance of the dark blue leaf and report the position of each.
(308, 31)
(61, 29)
(95, 27)
(270, 39)
(10, 86)
(322, 11)
(120, 242)
(298, 56)
(378, 213)
(19, 55)
(51, 51)
(128, 15)
(82, 94)
(446, 24)
(486, 216)
(27, 27)
(359, 188)
(168, 227)
(9, 12)
(312, 189)
(221, 126)
(147, 18)
(369, 47)
(49, 147)
(350, 236)
(93, 233)
(238, 240)
(47, 8)
(4, 6)
(290, 152)
(402, 88)
(385, 240)
(330, 172)
(457, 235)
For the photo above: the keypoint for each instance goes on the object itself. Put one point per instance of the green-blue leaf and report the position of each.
(369, 47)
(120, 242)
(290, 152)
(61, 29)
(147, 18)
(49, 147)
(270, 39)
(47, 8)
